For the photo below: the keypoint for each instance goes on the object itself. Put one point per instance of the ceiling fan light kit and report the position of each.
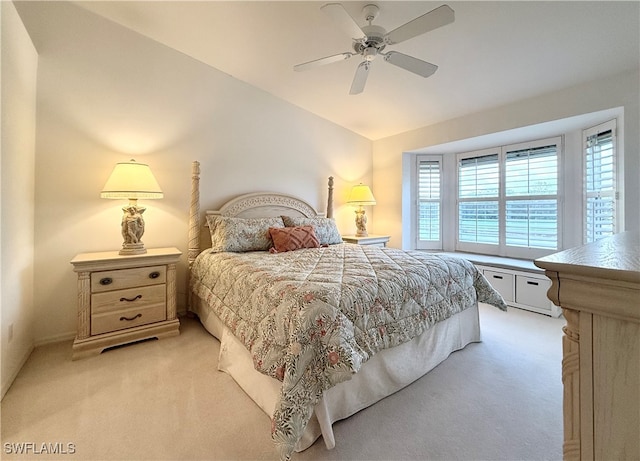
(369, 41)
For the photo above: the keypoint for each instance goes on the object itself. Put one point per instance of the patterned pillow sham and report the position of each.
(292, 238)
(325, 228)
(241, 234)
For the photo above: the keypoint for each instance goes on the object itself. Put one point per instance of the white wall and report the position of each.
(17, 155)
(106, 94)
(620, 91)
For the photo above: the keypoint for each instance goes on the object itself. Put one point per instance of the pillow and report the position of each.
(292, 238)
(325, 228)
(241, 234)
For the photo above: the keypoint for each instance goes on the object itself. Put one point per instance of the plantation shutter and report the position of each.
(429, 214)
(478, 206)
(531, 204)
(600, 182)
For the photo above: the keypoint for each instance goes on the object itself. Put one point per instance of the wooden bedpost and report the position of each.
(194, 227)
(330, 199)
(194, 214)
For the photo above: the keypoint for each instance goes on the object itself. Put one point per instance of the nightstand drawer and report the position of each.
(127, 318)
(125, 278)
(112, 301)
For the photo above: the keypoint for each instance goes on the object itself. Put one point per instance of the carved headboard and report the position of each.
(252, 205)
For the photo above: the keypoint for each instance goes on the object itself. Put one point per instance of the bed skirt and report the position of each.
(385, 373)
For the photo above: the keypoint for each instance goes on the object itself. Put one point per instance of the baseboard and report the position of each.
(8, 381)
(55, 339)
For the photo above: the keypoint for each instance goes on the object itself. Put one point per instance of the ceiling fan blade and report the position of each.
(360, 79)
(322, 61)
(439, 17)
(415, 65)
(344, 20)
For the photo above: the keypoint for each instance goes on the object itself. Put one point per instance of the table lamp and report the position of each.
(132, 180)
(361, 196)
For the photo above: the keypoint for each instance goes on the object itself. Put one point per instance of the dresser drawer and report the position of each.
(126, 278)
(503, 283)
(532, 291)
(127, 318)
(129, 298)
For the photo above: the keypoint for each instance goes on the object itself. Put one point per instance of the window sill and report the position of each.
(525, 265)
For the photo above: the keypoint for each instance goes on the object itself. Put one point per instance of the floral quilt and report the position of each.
(310, 318)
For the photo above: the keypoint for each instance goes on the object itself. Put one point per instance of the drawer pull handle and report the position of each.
(130, 300)
(130, 319)
(154, 275)
(532, 283)
(106, 281)
(497, 277)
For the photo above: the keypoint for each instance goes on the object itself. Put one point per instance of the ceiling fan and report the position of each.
(370, 41)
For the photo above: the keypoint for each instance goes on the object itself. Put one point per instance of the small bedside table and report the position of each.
(122, 299)
(375, 240)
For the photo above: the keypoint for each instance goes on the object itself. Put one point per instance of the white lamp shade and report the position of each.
(131, 180)
(361, 195)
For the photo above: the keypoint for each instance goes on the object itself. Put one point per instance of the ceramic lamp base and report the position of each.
(133, 249)
(361, 223)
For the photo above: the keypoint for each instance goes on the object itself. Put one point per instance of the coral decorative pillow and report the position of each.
(293, 238)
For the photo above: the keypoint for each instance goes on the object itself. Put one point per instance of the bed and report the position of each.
(313, 329)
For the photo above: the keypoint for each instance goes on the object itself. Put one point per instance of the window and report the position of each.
(478, 206)
(600, 181)
(508, 200)
(429, 205)
(531, 204)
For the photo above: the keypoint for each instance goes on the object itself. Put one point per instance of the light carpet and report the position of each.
(500, 399)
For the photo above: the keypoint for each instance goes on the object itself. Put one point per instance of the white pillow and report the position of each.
(241, 234)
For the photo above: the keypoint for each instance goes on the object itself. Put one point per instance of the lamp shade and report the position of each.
(131, 180)
(361, 195)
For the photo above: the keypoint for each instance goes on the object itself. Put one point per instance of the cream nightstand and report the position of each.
(122, 299)
(376, 240)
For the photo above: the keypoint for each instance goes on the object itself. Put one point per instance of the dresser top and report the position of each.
(616, 257)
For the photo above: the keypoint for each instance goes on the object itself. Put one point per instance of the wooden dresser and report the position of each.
(598, 288)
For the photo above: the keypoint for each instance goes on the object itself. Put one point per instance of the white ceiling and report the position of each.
(494, 53)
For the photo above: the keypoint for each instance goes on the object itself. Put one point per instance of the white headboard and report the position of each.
(252, 205)
(265, 205)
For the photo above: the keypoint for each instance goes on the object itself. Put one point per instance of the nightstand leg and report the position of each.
(171, 292)
(84, 304)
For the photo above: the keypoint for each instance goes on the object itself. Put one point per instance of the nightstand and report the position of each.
(375, 240)
(122, 299)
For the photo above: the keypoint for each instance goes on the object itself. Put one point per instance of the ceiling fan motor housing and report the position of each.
(374, 39)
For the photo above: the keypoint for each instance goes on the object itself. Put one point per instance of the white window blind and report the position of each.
(429, 202)
(478, 207)
(600, 182)
(531, 204)
(508, 200)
